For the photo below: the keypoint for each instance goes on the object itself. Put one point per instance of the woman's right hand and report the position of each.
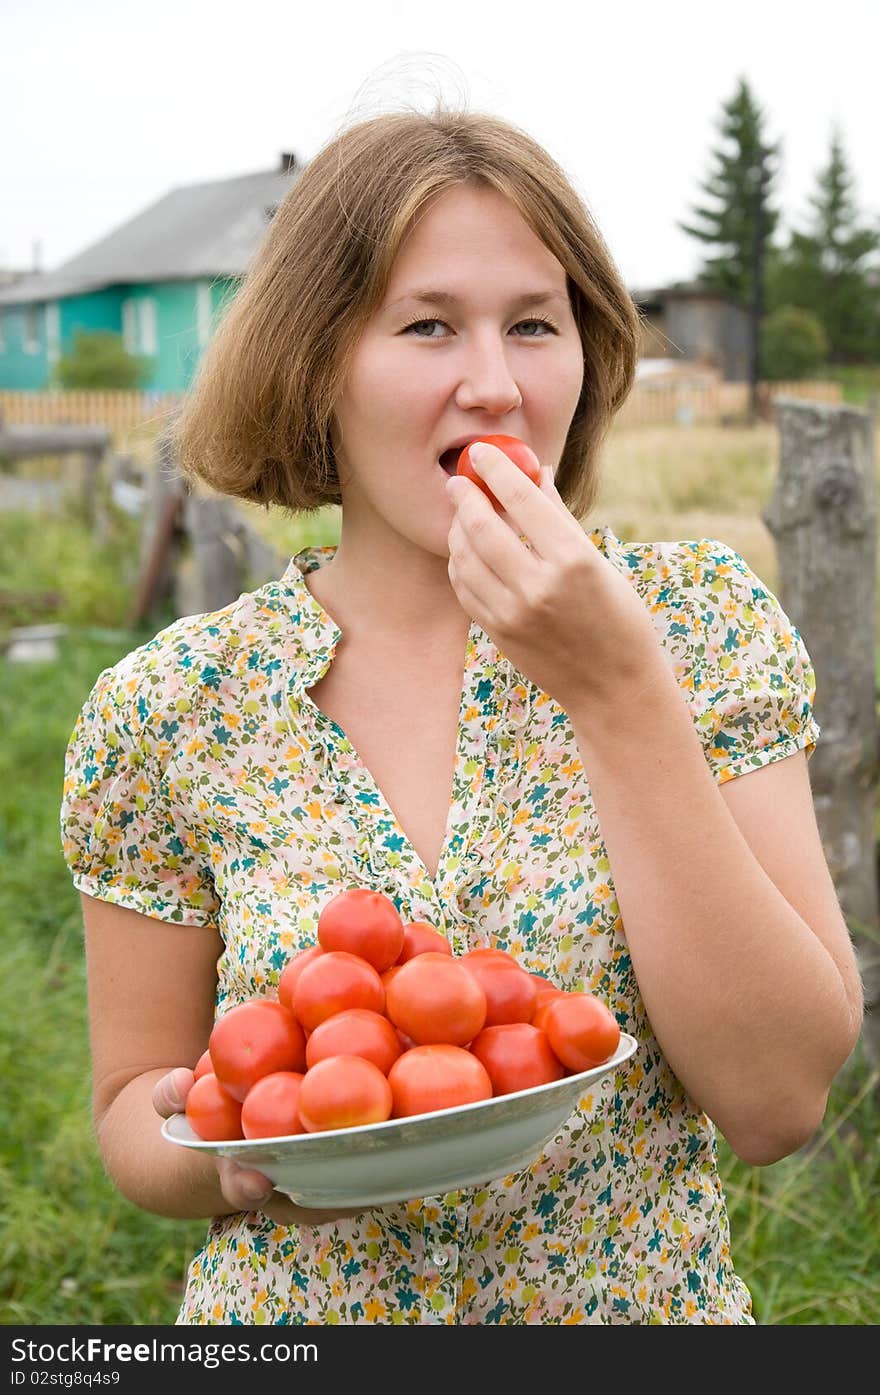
(244, 1188)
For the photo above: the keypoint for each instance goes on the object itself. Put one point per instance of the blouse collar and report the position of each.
(317, 634)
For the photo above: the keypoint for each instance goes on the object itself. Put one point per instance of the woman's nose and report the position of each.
(487, 380)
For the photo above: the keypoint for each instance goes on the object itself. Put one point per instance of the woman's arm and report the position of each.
(152, 987)
(755, 1009)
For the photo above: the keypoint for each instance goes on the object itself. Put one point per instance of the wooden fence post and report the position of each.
(217, 540)
(823, 518)
(161, 533)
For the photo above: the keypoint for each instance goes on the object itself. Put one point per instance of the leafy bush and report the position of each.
(793, 345)
(99, 359)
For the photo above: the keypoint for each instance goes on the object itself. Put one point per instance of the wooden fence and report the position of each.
(120, 412)
(650, 403)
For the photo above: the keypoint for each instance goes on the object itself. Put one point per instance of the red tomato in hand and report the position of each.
(516, 450)
(426, 1078)
(343, 1092)
(362, 922)
(510, 992)
(582, 1031)
(270, 1108)
(252, 1040)
(204, 1065)
(433, 999)
(421, 938)
(212, 1112)
(332, 982)
(356, 1032)
(516, 1056)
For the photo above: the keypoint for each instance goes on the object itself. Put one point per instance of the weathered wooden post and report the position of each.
(217, 540)
(823, 518)
(160, 533)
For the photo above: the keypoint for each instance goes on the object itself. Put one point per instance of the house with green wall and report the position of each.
(158, 281)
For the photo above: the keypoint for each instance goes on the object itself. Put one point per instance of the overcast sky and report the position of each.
(106, 105)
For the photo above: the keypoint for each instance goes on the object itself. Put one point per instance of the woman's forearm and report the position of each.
(149, 1171)
(747, 1004)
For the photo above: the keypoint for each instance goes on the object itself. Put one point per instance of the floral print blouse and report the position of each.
(203, 786)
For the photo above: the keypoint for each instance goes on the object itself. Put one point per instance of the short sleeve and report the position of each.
(753, 684)
(123, 836)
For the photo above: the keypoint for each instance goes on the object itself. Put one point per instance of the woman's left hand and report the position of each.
(563, 615)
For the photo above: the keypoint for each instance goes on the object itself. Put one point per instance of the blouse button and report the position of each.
(440, 1258)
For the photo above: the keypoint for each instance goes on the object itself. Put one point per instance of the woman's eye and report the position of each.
(543, 324)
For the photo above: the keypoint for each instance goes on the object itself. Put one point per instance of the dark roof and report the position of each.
(683, 290)
(201, 230)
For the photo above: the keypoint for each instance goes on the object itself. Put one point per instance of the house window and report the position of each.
(149, 340)
(129, 326)
(31, 330)
(203, 313)
(53, 333)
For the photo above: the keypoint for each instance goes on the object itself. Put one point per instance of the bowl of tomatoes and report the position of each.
(385, 1068)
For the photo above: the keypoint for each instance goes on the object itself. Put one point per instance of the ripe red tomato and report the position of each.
(543, 985)
(516, 1056)
(582, 1031)
(291, 972)
(421, 938)
(516, 450)
(252, 1040)
(433, 999)
(362, 922)
(270, 1108)
(440, 1076)
(213, 1113)
(539, 1016)
(332, 982)
(387, 975)
(510, 992)
(204, 1065)
(355, 1032)
(343, 1092)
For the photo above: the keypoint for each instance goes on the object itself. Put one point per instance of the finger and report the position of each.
(169, 1093)
(244, 1187)
(548, 487)
(284, 1211)
(248, 1189)
(474, 581)
(495, 543)
(531, 510)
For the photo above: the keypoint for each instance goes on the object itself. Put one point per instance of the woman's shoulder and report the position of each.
(686, 573)
(188, 660)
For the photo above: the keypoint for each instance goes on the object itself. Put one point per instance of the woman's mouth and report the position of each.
(449, 460)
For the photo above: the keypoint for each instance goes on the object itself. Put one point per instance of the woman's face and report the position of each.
(475, 365)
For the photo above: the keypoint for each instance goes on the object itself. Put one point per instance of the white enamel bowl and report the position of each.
(422, 1155)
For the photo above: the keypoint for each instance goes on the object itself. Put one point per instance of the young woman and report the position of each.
(524, 731)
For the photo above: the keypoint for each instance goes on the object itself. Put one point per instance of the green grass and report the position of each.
(72, 1249)
(860, 383)
(92, 579)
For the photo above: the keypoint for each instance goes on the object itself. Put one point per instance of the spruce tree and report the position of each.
(831, 268)
(743, 222)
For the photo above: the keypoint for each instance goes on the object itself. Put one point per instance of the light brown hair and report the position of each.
(256, 421)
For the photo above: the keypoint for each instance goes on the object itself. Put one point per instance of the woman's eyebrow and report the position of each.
(440, 297)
